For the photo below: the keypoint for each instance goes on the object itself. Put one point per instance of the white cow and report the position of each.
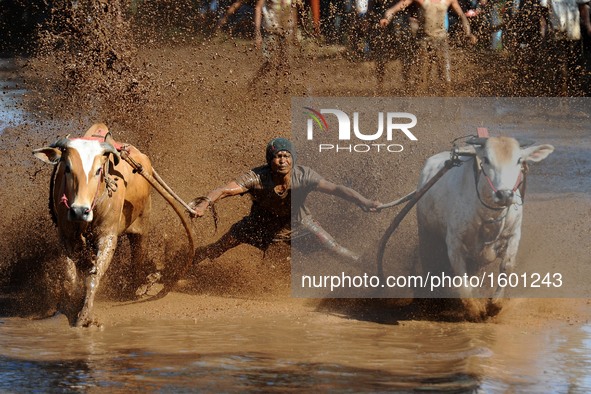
(470, 220)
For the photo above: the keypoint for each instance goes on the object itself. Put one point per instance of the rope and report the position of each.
(211, 205)
(398, 202)
(171, 192)
(183, 203)
(161, 189)
(402, 214)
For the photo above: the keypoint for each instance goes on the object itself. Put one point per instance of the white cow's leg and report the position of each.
(106, 250)
(508, 263)
(474, 308)
(506, 267)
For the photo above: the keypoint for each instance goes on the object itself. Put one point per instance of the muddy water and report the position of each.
(11, 91)
(279, 353)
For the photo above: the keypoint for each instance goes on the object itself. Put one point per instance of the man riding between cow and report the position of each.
(278, 189)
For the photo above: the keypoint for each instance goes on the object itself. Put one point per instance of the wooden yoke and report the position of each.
(100, 132)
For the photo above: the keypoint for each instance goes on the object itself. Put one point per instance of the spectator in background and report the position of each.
(434, 43)
(397, 41)
(523, 38)
(564, 45)
(278, 19)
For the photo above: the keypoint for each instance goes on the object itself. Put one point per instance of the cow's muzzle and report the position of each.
(80, 213)
(504, 198)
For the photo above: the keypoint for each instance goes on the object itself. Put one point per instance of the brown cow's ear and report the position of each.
(48, 155)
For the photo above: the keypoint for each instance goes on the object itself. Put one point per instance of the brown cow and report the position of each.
(94, 197)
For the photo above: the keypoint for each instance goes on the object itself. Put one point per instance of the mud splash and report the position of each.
(86, 62)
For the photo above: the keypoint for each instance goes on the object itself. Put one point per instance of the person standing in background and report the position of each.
(434, 44)
(562, 28)
(278, 20)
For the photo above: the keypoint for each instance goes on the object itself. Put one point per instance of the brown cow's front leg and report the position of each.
(106, 249)
(71, 294)
(71, 302)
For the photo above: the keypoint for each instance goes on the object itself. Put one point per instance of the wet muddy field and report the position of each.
(231, 324)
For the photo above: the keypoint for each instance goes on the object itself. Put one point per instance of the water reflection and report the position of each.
(280, 354)
(11, 92)
(218, 372)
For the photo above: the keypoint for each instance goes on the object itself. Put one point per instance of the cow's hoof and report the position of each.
(85, 320)
(152, 287)
(86, 323)
(494, 307)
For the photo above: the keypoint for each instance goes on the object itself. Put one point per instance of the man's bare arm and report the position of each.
(390, 12)
(465, 24)
(348, 194)
(230, 189)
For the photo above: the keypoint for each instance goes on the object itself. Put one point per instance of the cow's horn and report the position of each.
(524, 142)
(62, 143)
(476, 141)
(108, 148)
(465, 151)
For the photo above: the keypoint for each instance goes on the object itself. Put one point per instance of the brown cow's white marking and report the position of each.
(89, 151)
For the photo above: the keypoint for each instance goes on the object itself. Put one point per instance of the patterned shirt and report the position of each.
(278, 16)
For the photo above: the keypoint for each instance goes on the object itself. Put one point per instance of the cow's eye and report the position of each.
(67, 170)
(519, 161)
(98, 172)
(485, 160)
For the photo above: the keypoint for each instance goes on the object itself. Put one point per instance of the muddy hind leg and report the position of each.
(139, 265)
(433, 261)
